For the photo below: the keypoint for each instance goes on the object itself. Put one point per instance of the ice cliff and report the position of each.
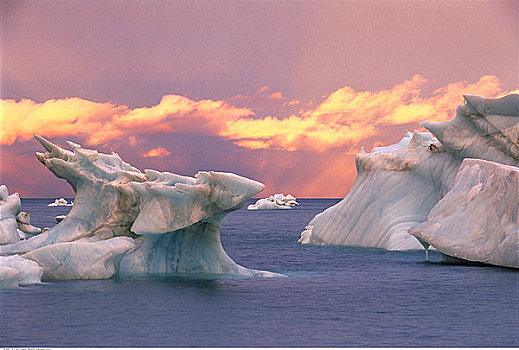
(398, 186)
(126, 222)
(477, 220)
(277, 201)
(395, 189)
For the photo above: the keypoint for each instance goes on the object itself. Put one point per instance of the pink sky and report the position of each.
(284, 92)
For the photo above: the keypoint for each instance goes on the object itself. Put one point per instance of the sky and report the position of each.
(283, 92)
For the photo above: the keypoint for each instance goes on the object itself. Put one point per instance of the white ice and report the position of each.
(80, 259)
(23, 220)
(14, 223)
(276, 201)
(395, 189)
(397, 186)
(16, 271)
(131, 223)
(482, 129)
(60, 202)
(477, 220)
(10, 206)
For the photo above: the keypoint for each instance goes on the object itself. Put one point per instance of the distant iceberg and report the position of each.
(60, 202)
(127, 223)
(400, 187)
(277, 201)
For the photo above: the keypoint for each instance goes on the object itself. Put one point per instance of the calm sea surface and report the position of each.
(333, 296)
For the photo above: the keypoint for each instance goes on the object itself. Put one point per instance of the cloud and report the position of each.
(101, 122)
(343, 118)
(70, 116)
(346, 116)
(156, 152)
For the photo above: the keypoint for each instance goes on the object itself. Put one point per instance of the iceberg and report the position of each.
(14, 223)
(125, 222)
(277, 201)
(10, 206)
(80, 259)
(398, 186)
(395, 189)
(483, 128)
(23, 220)
(60, 202)
(17, 271)
(477, 220)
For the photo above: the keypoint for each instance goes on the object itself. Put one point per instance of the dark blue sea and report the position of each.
(333, 296)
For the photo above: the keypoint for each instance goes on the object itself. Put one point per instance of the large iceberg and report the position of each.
(126, 222)
(477, 220)
(398, 186)
(395, 189)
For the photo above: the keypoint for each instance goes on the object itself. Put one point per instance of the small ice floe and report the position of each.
(23, 220)
(277, 201)
(16, 271)
(59, 218)
(61, 202)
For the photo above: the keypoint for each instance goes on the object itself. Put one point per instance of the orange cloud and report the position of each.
(70, 116)
(156, 152)
(346, 116)
(343, 118)
(100, 122)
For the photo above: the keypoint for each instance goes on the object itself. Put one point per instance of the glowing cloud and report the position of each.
(156, 152)
(70, 116)
(346, 116)
(343, 118)
(100, 122)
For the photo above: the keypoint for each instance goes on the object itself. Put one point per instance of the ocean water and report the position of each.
(333, 296)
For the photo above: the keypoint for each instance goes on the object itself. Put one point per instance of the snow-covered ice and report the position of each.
(276, 201)
(397, 186)
(128, 222)
(477, 220)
